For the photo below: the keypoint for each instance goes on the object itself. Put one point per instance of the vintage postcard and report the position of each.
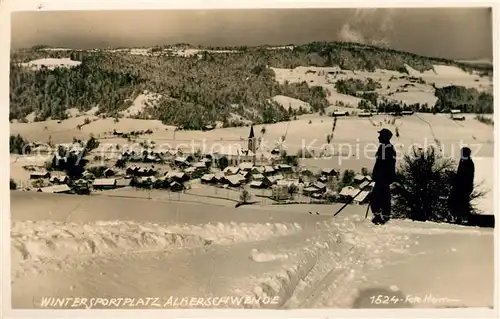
(251, 158)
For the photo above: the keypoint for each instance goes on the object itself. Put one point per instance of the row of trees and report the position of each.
(197, 90)
(355, 56)
(49, 93)
(353, 86)
(468, 100)
(18, 145)
(451, 97)
(349, 56)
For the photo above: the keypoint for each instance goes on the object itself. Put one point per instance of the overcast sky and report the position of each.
(457, 33)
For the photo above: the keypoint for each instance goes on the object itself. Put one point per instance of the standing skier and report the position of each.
(384, 174)
(462, 187)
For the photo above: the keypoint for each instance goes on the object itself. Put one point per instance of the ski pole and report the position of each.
(350, 201)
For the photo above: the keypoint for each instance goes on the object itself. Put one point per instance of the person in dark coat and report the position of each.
(462, 187)
(383, 174)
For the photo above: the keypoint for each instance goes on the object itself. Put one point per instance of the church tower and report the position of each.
(252, 144)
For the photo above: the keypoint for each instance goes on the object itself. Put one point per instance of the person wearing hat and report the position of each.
(462, 187)
(383, 174)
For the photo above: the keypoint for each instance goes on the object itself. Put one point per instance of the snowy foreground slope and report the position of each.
(96, 247)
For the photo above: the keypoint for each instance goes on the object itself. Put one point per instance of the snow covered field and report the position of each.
(64, 245)
(116, 247)
(51, 63)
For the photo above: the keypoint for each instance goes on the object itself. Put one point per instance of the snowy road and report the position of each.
(94, 247)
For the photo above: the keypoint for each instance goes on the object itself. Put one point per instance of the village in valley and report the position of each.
(243, 175)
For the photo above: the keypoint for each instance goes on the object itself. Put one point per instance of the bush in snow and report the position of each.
(245, 196)
(424, 181)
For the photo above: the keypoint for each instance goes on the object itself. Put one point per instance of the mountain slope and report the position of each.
(202, 87)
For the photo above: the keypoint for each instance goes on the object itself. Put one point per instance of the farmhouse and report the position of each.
(59, 178)
(208, 179)
(340, 114)
(81, 187)
(348, 192)
(160, 182)
(320, 186)
(288, 182)
(88, 175)
(257, 177)
(257, 170)
(206, 160)
(132, 171)
(200, 166)
(369, 185)
(176, 187)
(151, 159)
(329, 172)
(365, 114)
(231, 170)
(179, 177)
(38, 175)
(264, 183)
(246, 166)
(58, 189)
(181, 161)
(309, 191)
(323, 179)
(140, 171)
(456, 115)
(234, 180)
(284, 168)
(268, 170)
(123, 182)
(219, 177)
(362, 197)
(104, 183)
(274, 179)
(358, 179)
(245, 174)
(208, 127)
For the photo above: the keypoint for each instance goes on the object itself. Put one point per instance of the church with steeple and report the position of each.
(252, 147)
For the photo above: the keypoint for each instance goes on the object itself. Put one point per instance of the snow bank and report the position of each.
(444, 75)
(287, 102)
(260, 257)
(450, 71)
(141, 102)
(136, 51)
(48, 239)
(413, 97)
(51, 63)
(339, 99)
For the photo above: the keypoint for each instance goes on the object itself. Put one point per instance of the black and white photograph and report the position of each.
(278, 159)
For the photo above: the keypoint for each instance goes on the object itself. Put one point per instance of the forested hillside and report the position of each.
(196, 90)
